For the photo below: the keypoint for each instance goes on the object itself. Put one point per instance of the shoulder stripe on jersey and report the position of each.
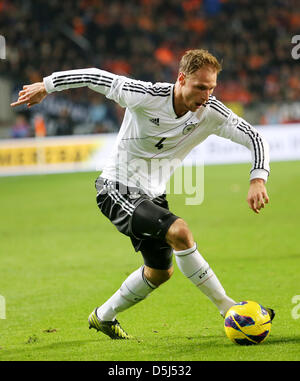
(259, 156)
(213, 99)
(220, 105)
(219, 110)
(259, 143)
(83, 74)
(82, 77)
(145, 92)
(80, 80)
(153, 88)
(85, 81)
(96, 80)
(136, 87)
(253, 143)
(135, 91)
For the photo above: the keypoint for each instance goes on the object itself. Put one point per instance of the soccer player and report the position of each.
(161, 121)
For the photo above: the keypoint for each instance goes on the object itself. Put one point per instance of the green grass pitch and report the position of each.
(60, 258)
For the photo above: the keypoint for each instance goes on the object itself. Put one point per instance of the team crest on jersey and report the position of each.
(235, 121)
(134, 195)
(188, 129)
(155, 121)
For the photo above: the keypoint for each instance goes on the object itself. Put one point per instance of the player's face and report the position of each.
(197, 87)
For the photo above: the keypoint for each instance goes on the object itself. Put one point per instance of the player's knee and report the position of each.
(157, 277)
(179, 235)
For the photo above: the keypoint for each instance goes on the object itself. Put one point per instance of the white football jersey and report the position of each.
(152, 140)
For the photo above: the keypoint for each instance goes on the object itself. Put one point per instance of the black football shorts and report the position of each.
(145, 220)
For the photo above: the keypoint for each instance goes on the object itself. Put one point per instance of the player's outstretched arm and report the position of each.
(31, 95)
(257, 195)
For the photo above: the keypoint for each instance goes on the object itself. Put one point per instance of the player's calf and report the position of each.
(197, 270)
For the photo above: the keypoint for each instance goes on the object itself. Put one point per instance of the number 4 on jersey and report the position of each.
(159, 144)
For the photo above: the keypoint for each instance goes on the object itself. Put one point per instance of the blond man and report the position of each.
(162, 122)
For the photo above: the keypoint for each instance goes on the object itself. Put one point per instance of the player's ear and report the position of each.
(181, 78)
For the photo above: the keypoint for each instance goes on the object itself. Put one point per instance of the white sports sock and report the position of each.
(194, 267)
(134, 289)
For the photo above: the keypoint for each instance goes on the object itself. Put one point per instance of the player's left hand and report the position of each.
(257, 195)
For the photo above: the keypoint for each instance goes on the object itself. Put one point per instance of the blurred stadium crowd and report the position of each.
(144, 39)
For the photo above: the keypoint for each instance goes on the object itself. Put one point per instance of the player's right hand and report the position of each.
(31, 95)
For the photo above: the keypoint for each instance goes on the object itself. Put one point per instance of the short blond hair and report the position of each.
(195, 59)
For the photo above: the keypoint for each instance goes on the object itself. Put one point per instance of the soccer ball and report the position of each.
(247, 323)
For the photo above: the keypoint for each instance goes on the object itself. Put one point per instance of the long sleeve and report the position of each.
(230, 126)
(126, 92)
